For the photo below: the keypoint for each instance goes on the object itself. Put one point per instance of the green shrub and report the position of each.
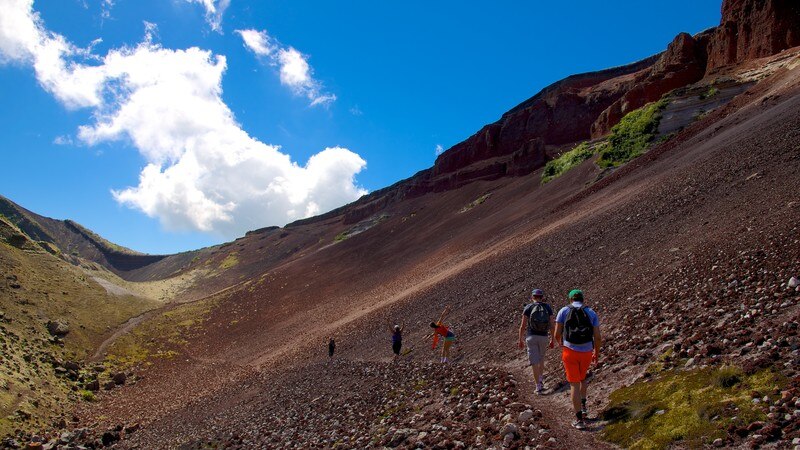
(712, 91)
(566, 161)
(632, 135)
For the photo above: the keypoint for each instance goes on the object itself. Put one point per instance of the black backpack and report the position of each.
(539, 319)
(578, 327)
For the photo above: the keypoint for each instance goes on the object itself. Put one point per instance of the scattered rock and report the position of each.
(109, 437)
(119, 378)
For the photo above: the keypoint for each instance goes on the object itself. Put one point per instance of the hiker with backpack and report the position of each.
(397, 338)
(537, 325)
(440, 329)
(578, 329)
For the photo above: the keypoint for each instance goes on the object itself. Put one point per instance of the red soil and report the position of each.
(656, 246)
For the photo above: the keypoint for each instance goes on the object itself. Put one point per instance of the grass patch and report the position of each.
(568, 160)
(475, 202)
(159, 336)
(687, 407)
(87, 395)
(632, 135)
(230, 261)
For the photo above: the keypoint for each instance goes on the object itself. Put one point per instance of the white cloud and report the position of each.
(63, 140)
(214, 11)
(258, 42)
(202, 172)
(106, 5)
(439, 149)
(18, 30)
(293, 67)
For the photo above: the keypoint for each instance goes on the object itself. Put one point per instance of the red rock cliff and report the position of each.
(586, 106)
(753, 29)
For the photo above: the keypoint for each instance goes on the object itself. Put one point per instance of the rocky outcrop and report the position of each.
(561, 113)
(753, 29)
(683, 63)
(588, 105)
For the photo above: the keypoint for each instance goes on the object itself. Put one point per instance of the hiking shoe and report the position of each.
(584, 412)
(539, 388)
(579, 424)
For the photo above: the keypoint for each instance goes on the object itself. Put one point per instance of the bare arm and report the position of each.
(522, 327)
(598, 342)
(444, 313)
(552, 330)
(558, 331)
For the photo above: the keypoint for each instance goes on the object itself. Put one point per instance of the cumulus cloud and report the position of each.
(439, 149)
(293, 67)
(203, 172)
(214, 11)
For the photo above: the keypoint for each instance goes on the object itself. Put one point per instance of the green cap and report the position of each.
(576, 295)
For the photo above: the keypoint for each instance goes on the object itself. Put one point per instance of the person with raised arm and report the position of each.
(440, 329)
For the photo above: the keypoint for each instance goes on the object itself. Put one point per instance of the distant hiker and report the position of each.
(439, 329)
(578, 327)
(331, 347)
(397, 338)
(537, 326)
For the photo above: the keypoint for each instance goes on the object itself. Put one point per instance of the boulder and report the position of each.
(58, 327)
(119, 378)
(109, 437)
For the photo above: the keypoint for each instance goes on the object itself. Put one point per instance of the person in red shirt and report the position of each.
(440, 329)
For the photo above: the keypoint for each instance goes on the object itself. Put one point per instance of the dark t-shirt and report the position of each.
(527, 313)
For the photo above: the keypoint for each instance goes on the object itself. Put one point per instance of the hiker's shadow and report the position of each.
(594, 424)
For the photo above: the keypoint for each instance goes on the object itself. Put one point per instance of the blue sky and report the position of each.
(95, 91)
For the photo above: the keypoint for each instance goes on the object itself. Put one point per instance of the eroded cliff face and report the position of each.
(586, 106)
(682, 64)
(753, 29)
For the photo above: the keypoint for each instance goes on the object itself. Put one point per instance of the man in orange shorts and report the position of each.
(578, 329)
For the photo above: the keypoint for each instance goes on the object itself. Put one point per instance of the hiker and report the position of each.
(439, 329)
(578, 328)
(331, 347)
(537, 325)
(397, 338)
